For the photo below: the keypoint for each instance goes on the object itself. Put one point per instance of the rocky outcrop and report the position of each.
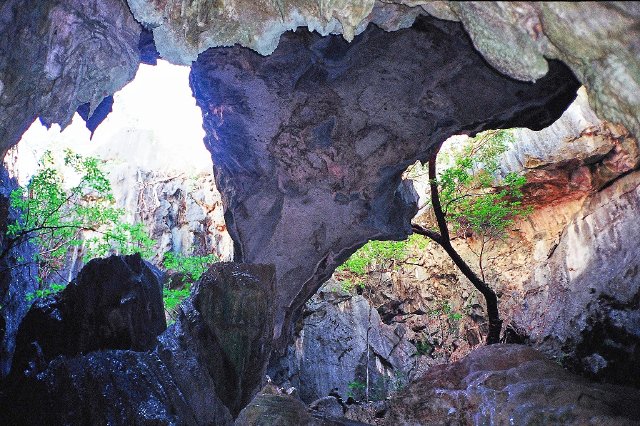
(236, 304)
(304, 151)
(114, 303)
(183, 213)
(57, 56)
(342, 345)
(510, 384)
(516, 38)
(203, 370)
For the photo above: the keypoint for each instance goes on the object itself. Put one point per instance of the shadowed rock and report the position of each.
(114, 303)
(309, 144)
(58, 55)
(205, 367)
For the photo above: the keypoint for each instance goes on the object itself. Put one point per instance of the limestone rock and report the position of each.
(236, 305)
(114, 303)
(273, 408)
(309, 144)
(510, 384)
(582, 303)
(329, 353)
(56, 56)
(514, 37)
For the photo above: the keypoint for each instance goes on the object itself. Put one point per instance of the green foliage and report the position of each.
(172, 298)
(374, 252)
(356, 389)
(348, 285)
(423, 348)
(52, 289)
(59, 216)
(473, 198)
(191, 267)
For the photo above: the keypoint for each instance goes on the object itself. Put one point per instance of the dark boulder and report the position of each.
(114, 303)
(203, 370)
(235, 302)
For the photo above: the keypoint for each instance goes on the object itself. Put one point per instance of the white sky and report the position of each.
(155, 125)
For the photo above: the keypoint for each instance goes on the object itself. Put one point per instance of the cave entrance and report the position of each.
(150, 146)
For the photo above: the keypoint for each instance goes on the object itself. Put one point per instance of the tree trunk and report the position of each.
(443, 239)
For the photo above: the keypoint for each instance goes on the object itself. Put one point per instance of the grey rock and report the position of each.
(329, 353)
(57, 56)
(510, 384)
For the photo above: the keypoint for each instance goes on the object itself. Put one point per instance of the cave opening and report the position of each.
(152, 135)
(309, 145)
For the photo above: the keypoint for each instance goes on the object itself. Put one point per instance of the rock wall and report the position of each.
(309, 144)
(56, 56)
(17, 279)
(342, 345)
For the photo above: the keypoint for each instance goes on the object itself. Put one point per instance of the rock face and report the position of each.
(329, 353)
(57, 56)
(183, 213)
(516, 38)
(309, 144)
(237, 309)
(114, 303)
(215, 354)
(510, 384)
(582, 304)
(16, 278)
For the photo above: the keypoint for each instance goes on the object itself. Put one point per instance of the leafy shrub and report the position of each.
(58, 216)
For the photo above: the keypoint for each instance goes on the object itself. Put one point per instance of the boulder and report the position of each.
(114, 303)
(203, 370)
(510, 384)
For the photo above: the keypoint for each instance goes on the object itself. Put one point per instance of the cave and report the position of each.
(312, 114)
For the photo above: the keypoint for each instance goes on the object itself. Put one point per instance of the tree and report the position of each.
(468, 198)
(58, 217)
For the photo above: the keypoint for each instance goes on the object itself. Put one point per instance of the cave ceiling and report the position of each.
(309, 142)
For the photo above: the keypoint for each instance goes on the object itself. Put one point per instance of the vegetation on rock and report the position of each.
(60, 215)
(469, 200)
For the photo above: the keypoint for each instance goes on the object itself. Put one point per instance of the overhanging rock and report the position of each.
(309, 144)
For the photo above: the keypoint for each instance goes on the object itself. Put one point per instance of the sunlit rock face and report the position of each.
(309, 144)
(56, 56)
(597, 40)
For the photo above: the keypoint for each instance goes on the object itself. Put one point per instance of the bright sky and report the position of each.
(155, 124)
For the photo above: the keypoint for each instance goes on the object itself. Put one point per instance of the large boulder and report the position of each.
(204, 369)
(309, 144)
(114, 303)
(510, 384)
